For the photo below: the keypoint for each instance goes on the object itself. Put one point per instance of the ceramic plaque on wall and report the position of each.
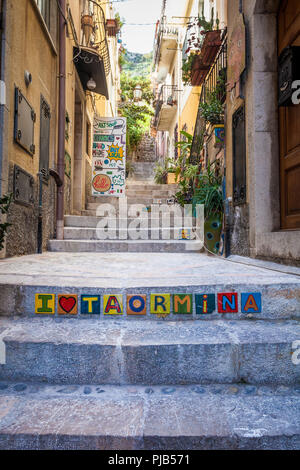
(109, 157)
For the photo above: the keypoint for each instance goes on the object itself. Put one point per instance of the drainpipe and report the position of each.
(2, 84)
(61, 121)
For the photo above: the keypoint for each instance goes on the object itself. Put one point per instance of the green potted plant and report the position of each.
(161, 174)
(209, 193)
(212, 110)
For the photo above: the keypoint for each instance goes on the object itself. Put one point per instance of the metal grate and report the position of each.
(25, 118)
(239, 156)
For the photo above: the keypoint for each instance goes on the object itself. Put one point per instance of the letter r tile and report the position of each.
(160, 304)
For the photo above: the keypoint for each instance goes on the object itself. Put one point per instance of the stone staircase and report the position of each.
(175, 381)
(81, 234)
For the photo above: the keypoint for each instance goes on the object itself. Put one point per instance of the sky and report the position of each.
(139, 38)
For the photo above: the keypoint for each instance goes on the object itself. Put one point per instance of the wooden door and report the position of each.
(289, 124)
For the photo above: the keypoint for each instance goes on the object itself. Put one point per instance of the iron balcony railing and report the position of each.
(164, 29)
(216, 77)
(168, 96)
(215, 80)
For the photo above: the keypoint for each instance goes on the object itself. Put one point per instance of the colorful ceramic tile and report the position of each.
(228, 303)
(251, 302)
(205, 303)
(45, 304)
(182, 303)
(67, 304)
(113, 304)
(160, 304)
(136, 304)
(90, 304)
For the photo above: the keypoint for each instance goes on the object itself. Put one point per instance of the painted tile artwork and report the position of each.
(228, 303)
(205, 303)
(45, 304)
(109, 157)
(182, 303)
(251, 303)
(136, 304)
(113, 304)
(160, 304)
(67, 304)
(90, 304)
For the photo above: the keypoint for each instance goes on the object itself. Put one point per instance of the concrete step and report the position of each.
(70, 351)
(89, 417)
(131, 193)
(123, 246)
(136, 186)
(167, 233)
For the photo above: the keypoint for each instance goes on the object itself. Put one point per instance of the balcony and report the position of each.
(165, 45)
(91, 53)
(166, 107)
(199, 52)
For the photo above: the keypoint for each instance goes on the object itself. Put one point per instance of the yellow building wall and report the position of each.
(190, 110)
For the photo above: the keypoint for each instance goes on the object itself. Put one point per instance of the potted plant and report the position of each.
(212, 110)
(87, 25)
(209, 193)
(161, 174)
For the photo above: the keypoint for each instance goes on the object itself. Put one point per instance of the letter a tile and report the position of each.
(113, 304)
(182, 303)
(136, 304)
(45, 304)
(160, 304)
(228, 303)
(67, 304)
(90, 304)
(251, 303)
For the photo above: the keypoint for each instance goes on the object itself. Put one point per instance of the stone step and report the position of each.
(83, 233)
(69, 351)
(135, 186)
(89, 417)
(130, 201)
(130, 193)
(123, 246)
(92, 221)
(147, 273)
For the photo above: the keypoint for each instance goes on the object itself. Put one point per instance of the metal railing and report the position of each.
(216, 77)
(168, 96)
(164, 29)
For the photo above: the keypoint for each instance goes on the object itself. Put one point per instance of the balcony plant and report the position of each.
(209, 193)
(212, 109)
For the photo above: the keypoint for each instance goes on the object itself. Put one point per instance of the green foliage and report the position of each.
(187, 65)
(209, 192)
(137, 65)
(129, 168)
(5, 202)
(161, 173)
(138, 117)
(212, 110)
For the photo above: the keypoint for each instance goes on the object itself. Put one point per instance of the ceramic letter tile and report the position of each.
(205, 303)
(182, 303)
(113, 304)
(67, 304)
(90, 304)
(136, 304)
(251, 302)
(228, 303)
(160, 304)
(45, 304)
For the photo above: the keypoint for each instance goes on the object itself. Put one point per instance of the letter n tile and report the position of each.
(228, 303)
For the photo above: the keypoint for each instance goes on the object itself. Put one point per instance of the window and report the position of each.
(44, 138)
(44, 7)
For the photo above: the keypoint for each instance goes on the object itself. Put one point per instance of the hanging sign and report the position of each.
(109, 157)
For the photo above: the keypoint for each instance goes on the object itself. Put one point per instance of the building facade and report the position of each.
(30, 107)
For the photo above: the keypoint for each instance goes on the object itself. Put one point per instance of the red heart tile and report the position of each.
(67, 303)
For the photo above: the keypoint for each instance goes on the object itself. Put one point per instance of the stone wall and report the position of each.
(146, 151)
(22, 235)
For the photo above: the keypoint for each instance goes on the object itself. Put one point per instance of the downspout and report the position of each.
(61, 121)
(2, 84)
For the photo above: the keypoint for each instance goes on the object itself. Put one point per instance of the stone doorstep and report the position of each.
(148, 353)
(89, 417)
